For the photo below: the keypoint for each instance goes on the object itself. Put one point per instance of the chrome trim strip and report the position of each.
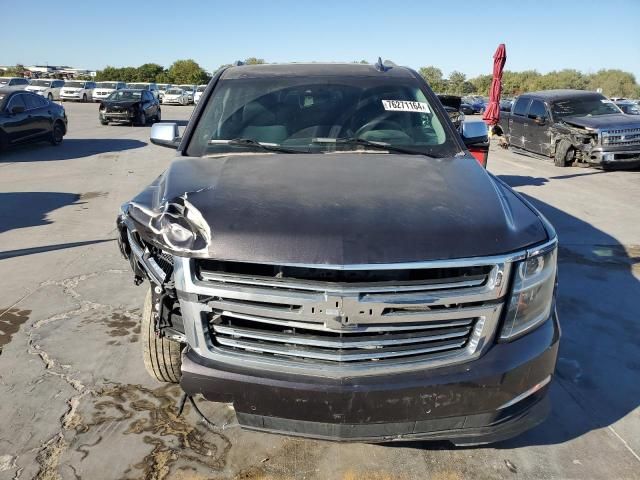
(336, 357)
(526, 394)
(339, 344)
(395, 327)
(544, 248)
(336, 287)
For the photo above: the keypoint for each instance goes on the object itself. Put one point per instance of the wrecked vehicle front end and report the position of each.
(357, 350)
(603, 146)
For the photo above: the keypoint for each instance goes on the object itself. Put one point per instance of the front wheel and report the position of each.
(160, 355)
(49, 97)
(565, 154)
(159, 116)
(84, 98)
(142, 118)
(57, 134)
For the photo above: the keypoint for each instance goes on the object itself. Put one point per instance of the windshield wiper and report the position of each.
(251, 142)
(372, 144)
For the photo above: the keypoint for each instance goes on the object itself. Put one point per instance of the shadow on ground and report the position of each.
(69, 149)
(596, 382)
(30, 209)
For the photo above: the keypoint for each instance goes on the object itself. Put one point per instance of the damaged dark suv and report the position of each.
(325, 254)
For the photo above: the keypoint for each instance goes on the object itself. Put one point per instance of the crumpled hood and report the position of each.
(338, 209)
(600, 122)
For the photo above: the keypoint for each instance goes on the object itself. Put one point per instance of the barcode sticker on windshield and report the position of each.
(405, 106)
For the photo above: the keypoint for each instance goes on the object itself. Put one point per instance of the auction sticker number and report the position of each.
(405, 106)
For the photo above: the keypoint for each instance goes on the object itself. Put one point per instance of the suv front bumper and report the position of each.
(495, 397)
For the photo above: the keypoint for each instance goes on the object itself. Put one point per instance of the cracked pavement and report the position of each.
(76, 402)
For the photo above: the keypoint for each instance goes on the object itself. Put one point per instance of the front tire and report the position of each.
(84, 98)
(159, 116)
(161, 356)
(565, 154)
(49, 97)
(142, 119)
(57, 134)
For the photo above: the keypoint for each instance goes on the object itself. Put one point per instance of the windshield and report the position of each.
(629, 108)
(74, 84)
(587, 105)
(120, 95)
(106, 85)
(201, 88)
(309, 114)
(163, 86)
(188, 88)
(40, 83)
(174, 91)
(142, 86)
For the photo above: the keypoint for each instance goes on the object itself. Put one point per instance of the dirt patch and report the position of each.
(91, 195)
(49, 458)
(10, 321)
(177, 445)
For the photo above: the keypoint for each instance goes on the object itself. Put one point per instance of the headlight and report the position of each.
(532, 295)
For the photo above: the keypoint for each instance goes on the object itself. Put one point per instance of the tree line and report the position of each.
(613, 82)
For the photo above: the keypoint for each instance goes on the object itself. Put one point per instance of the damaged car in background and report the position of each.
(574, 127)
(326, 255)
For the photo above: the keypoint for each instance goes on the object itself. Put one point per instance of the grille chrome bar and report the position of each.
(359, 342)
(338, 356)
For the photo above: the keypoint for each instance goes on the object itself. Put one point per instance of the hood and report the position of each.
(337, 209)
(104, 90)
(35, 88)
(598, 122)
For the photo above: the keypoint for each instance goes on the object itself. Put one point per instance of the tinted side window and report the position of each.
(32, 101)
(16, 101)
(537, 109)
(521, 105)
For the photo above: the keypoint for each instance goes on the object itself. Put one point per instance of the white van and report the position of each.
(13, 83)
(47, 87)
(79, 90)
(104, 89)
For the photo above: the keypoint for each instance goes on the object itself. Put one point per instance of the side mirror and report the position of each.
(17, 109)
(474, 133)
(476, 137)
(540, 120)
(165, 135)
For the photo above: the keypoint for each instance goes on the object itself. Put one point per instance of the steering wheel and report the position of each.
(376, 122)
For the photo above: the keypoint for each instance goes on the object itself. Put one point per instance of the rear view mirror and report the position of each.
(17, 109)
(165, 135)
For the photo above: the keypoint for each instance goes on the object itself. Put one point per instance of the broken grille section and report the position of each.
(309, 316)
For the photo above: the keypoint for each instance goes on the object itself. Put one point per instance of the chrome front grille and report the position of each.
(625, 136)
(343, 321)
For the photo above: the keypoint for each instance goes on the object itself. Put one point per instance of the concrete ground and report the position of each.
(76, 403)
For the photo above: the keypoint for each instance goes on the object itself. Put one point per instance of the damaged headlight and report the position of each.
(532, 295)
(178, 225)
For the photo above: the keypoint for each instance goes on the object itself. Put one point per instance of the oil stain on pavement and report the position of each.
(176, 444)
(10, 321)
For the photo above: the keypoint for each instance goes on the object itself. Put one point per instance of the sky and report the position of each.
(461, 35)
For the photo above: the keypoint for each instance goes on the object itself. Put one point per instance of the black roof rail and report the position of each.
(238, 63)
